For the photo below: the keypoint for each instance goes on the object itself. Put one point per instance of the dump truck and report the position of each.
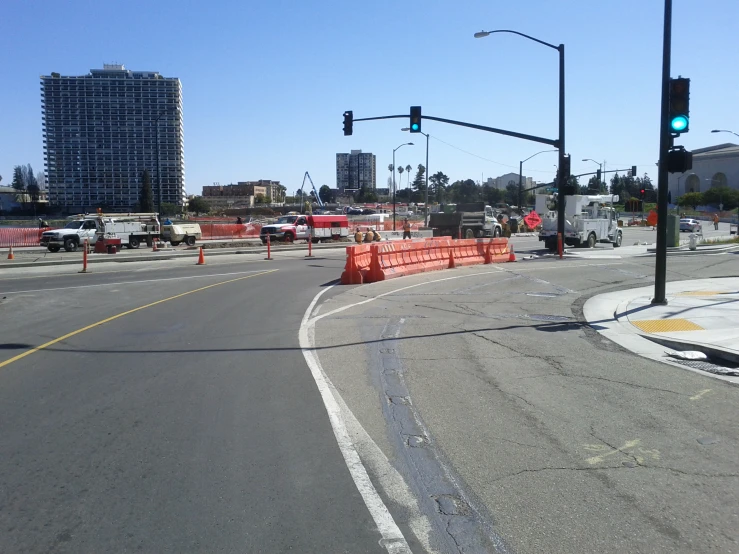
(471, 220)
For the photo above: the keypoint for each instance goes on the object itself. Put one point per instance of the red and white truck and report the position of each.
(317, 228)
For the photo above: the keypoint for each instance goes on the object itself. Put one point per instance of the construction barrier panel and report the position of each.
(213, 231)
(369, 263)
(358, 261)
(20, 236)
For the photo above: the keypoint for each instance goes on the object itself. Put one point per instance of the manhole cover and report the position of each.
(710, 367)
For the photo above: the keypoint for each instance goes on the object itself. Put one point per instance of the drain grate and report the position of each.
(710, 367)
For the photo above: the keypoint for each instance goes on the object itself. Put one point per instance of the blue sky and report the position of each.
(265, 84)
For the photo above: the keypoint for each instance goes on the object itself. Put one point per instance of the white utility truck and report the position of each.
(589, 219)
(131, 228)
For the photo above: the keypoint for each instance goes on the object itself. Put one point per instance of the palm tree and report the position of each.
(401, 169)
(408, 170)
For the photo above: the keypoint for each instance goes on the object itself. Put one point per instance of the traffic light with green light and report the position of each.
(415, 119)
(679, 120)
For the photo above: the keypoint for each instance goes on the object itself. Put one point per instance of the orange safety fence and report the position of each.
(378, 262)
(229, 230)
(20, 236)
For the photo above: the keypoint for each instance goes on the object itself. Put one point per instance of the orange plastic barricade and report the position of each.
(357, 269)
(368, 263)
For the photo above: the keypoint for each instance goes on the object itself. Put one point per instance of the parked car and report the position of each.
(691, 225)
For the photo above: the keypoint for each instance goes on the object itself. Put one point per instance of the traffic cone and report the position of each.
(11, 256)
(154, 245)
(201, 257)
(452, 265)
(511, 254)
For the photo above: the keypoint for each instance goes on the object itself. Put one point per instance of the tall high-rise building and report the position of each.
(102, 130)
(355, 170)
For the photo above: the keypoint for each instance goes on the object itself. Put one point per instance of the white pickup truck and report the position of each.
(132, 229)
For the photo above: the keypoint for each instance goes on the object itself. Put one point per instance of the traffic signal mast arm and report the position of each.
(554, 143)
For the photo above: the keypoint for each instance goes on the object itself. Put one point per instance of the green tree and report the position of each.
(267, 199)
(438, 183)
(19, 183)
(721, 195)
(464, 191)
(167, 209)
(419, 183)
(198, 205)
(511, 193)
(146, 199)
(259, 198)
(692, 199)
(325, 193)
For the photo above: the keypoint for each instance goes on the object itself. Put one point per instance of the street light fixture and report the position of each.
(724, 131)
(426, 199)
(394, 205)
(561, 141)
(520, 178)
(600, 166)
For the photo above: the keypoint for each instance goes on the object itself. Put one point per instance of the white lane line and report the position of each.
(400, 325)
(135, 282)
(392, 539)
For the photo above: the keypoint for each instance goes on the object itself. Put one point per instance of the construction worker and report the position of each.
(369, 236)
(406, 229)
(358, 236)
(715, 221)
(378, 238)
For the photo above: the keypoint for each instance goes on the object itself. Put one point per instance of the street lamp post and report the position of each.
(520, 178)
(600, 166)
(561, 141)
(426, 197)
(394, 187)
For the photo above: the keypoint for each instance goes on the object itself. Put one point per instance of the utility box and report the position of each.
(673, 231)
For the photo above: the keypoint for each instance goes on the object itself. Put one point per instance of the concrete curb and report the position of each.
(605, 314)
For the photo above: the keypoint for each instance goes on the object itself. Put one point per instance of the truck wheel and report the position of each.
(591, 240)
(174, 242)
(190, 241)
(133, 242)
(550, 244)
(469, 234)
(70, 245)
(54, 248)
(315, 240)
(289, 237)
(496, 232)
(149, 242)
(619, 238)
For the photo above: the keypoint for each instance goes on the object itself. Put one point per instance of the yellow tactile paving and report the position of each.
(666, 325)
(700, 293)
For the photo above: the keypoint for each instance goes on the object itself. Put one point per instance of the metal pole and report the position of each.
(665, 141)
(426, 200)
(520, 185)
(394, 207)
(561, 146)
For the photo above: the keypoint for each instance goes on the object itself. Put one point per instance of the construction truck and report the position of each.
(131, 228)
(589, 219)
(471, 220)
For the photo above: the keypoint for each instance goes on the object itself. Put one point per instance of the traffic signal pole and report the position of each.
(665, 142)
(562, 179)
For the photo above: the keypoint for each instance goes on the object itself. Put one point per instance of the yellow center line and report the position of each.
(112, 318)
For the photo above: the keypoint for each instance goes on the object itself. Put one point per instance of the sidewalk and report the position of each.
(701, 315)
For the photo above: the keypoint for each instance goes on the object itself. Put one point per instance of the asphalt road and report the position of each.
(169, 408)
(518, 428)
(191, 425)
